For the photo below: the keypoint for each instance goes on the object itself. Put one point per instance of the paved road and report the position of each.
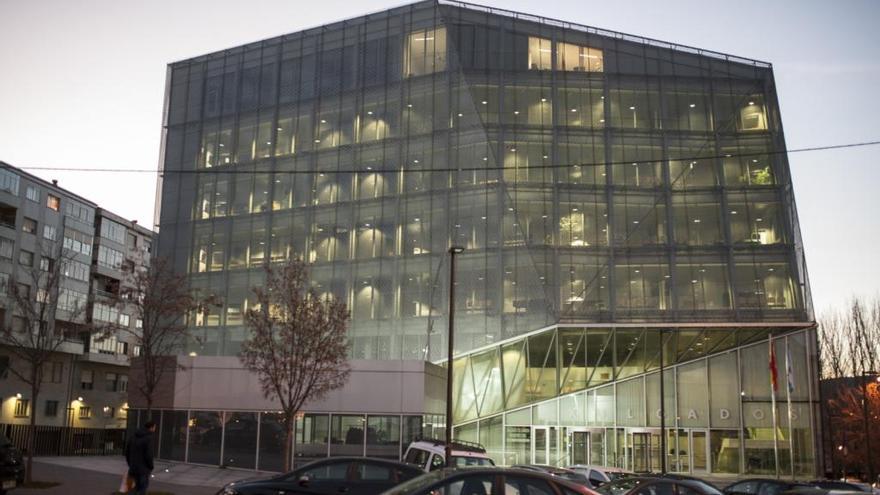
(84, 482)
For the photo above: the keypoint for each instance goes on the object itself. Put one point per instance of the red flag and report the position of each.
(773, 372)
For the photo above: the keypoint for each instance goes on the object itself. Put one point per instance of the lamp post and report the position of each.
(450, 339)
(868, 453)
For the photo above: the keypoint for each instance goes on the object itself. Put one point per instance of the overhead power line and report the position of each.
(251, 166)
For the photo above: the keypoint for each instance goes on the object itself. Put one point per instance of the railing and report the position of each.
(62, 440)
(605, 32)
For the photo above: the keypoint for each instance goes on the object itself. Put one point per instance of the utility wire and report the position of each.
(252, 169)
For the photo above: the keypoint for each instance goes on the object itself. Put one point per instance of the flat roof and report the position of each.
(505, 13)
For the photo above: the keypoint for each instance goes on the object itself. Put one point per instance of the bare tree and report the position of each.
(849, 351)
(45, 316)
(161, 300)
(298, 346)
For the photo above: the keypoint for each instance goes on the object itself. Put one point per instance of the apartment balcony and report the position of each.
(106, 358)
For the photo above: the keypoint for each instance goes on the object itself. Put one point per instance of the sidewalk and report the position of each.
(165, 472)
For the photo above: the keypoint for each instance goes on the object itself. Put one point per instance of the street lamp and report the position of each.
(450, 337)
(868, 453)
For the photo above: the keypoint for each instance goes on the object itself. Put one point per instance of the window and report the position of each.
(331, 472)
(425, 52)
(71, 300)
(578, 58)
(78, 241)
(29, 225)
(110, 258)
(103, 312)
(132, 241)
(124, 320)
(87, 380)
(112, 231)
(109, 411)
(79, 211)
(46, 264)
(123, 383)
(53, 202)
(22, 408)
(85, 412)
(136, 351)
(540, 52)
(51, 408)
(471, 484)
(7, 216)
(139, 323)
(75, 270)
(4, 283)
(26, 258)
(520, 485)
(6, 248)
(54, 372)
(148, 247)
(111, 382)
(9, 181)
(32, 193)
(50, 232)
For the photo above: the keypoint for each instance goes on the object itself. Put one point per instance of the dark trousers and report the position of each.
(141, 482)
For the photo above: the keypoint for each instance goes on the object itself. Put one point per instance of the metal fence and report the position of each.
(62, 440)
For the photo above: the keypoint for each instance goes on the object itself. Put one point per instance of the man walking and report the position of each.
(139, 456)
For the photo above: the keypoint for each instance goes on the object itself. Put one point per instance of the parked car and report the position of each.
(764, 486)
(837, 486)
(11, 465)
(599, 475)
(658, 485)
(349, 475)
(430, 454)
(486, 481)
(566, 474)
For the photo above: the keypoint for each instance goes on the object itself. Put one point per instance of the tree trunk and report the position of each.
(288, 441)
(31, 440)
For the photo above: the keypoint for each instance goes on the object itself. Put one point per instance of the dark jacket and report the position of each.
(139, 453)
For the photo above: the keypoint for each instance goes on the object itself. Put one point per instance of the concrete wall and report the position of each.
(220, 382)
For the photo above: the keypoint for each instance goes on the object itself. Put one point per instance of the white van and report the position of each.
(430, 454)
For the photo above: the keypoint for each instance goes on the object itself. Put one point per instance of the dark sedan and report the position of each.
(644, 485)
(11, 465)
(489, 481)
(334, 476)
(763, 486)
(566, 474)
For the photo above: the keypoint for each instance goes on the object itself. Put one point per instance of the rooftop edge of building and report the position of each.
(537, 19)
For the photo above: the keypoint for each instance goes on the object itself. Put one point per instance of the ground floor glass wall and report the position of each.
(255, 439)
(718, 406)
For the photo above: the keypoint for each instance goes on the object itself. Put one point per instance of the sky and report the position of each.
(82, 86)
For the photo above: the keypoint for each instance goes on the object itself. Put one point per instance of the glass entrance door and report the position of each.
(540, 447)
(597, 447)
(580, 447)
(699, 449)
(641, 452)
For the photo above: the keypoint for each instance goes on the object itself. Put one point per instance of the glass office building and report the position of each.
(614, 196)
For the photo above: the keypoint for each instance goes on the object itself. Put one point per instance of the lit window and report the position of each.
(53, 202)
(578, 58)
(540, 52)
(85, 412)
(22, 408)
(29, 225)
(425, 52)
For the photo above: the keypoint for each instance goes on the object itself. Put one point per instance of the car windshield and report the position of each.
(619, 487)
(705, 487)
(416, 483)
(471, 461)
(572, 476)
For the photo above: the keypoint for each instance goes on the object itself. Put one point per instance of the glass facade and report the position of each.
(718, 405)
(592, 177)
(255, 440)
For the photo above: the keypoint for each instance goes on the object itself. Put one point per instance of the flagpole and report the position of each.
(773, 371)
(789, 389)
